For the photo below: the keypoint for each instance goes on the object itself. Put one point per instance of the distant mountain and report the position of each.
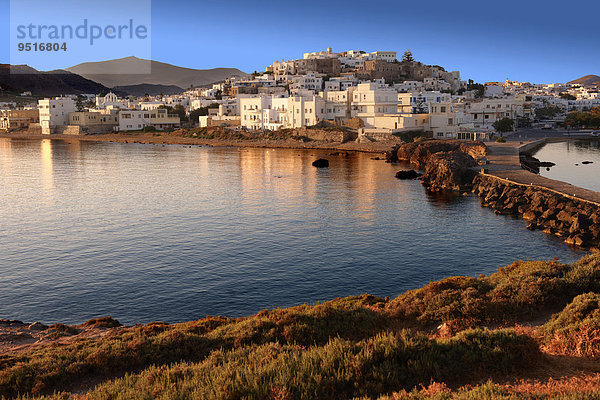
(152, 90)
(51, 83)
(125, 72)
(587, 80)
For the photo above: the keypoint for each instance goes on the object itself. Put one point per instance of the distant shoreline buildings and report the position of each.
(373, 92)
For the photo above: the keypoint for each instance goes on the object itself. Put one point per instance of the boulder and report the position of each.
(411, 174)
(38, 326)
(550, 213)
(564, 216)
(321, 163)
(580, 223)
(449, 171)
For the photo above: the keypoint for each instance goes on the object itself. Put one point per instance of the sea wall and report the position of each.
(574, 220)
(328, 135)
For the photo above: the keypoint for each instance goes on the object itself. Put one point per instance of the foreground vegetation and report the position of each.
(457, 332)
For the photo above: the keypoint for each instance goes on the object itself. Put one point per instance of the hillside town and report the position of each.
(376, 94)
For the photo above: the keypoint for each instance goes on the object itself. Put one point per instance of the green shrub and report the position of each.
(338, 369)
(576, 329)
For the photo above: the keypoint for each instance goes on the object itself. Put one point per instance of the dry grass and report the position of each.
(363, 347)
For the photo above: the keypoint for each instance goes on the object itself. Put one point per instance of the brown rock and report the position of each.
(529, 215)
(449, 171)
(565, 216)
(38, 326)
(550, 213)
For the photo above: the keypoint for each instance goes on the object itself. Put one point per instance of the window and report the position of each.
(449, 121)
(443, 109)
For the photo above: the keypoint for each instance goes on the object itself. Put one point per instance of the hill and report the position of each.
(152, 90)
(587, 80)
(122, 72)
(51, 83)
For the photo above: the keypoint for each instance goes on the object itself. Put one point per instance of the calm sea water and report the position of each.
(146, 233)
(568, 157)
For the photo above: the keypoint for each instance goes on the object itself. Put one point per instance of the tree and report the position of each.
(589, 119)
(567, 96)
(549, 111)
(179, 110)
(477, 87)
(202, 111)
(504, 125)
(80, 103)
(408, 56)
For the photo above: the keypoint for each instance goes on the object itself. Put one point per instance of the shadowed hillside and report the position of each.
(126, 72)
(52, 83)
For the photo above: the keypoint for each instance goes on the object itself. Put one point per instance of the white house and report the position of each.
(133, 120)
(371, 99)
(271, 112)
(55, 112)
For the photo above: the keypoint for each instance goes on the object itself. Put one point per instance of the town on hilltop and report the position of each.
(374, 94)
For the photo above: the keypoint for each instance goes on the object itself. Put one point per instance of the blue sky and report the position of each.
(537, 41)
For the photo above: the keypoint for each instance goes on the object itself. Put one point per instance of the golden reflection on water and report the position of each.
(47, 174)
(6, 150)
(354, 180)
(263, 170)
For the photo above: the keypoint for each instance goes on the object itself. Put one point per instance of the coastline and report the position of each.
(523, 326)
(172, 139)
(508, 326)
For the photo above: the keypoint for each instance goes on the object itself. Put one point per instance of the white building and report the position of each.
(371, 99)
(134, 120)
(380, 109)
(272, 113)
(111, 99)
(389, 56)
(309, 81)
(55, 113)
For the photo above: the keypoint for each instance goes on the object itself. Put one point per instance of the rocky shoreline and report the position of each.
(452, 166)
(576, 221)
(183, 138)
(447, 164)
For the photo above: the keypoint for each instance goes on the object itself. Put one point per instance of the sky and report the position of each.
(523, 40)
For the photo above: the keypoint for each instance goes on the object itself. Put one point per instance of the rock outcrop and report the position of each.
(449, 171)
(418, 153)
(575, 221)
(447, 163)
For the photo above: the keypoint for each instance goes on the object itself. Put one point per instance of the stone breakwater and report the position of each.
(453, 165)
(574, 220)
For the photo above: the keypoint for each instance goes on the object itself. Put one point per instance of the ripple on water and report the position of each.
(147, 233)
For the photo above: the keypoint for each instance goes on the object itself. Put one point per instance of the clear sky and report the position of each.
(525, 40)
